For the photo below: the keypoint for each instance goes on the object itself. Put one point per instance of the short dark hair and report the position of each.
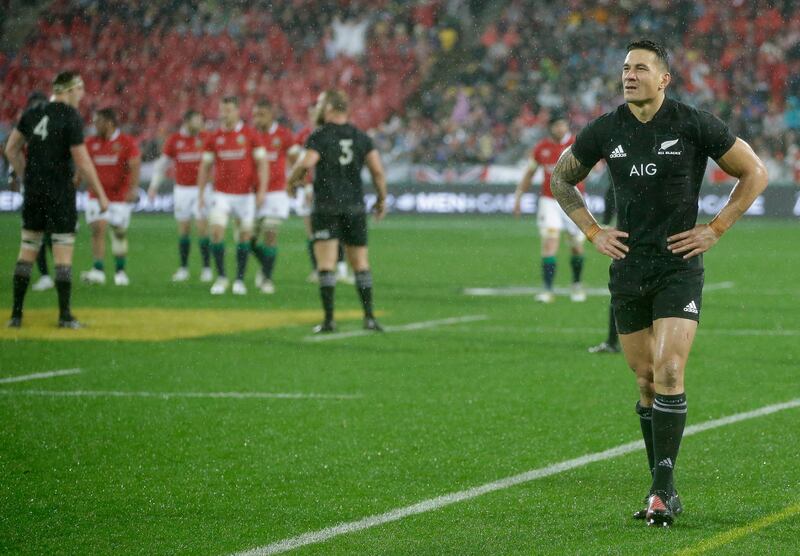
(231, 100)
(65, 80)
(646, 44)
(264, 103)
(189, 114)
(109, 115)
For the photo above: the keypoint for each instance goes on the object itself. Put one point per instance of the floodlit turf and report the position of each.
(423, 413)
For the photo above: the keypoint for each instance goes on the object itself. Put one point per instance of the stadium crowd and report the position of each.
(437, 81)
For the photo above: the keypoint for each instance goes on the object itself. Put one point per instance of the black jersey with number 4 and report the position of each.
(657, 169)
(50, 130)
(343, 149)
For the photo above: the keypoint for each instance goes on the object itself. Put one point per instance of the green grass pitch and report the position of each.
(434, 410)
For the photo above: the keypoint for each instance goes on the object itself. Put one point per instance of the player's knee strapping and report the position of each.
(32, 241)
(119, 244)
(63, 239)
(363, 279)
(23, 269)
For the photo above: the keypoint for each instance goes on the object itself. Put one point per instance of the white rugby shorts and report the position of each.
(275, 208)
(185, 203)
(551, 220)
(240, 206)
(117, 214)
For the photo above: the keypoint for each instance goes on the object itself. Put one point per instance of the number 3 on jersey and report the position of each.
(41, 128)
(347, 152)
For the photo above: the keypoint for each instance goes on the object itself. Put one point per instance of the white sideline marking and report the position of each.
(397, 328)
(432, 504)
(170, 395)
(512, 291)
(38, 376)
(703, 330)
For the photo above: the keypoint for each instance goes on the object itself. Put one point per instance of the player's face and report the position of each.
(75, 94)
(558, 129)
(229, 113)
(101, 125)
(643, 77)
(262, 117)
(195, 123)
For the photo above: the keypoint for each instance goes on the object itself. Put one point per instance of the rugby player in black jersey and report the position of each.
(656, 149)
(338, 151)
(53, 134)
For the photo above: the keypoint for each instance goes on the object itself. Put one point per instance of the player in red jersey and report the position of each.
(117, 159)
(277, 141)
(550, 218)
(240, 162)
(184, 149)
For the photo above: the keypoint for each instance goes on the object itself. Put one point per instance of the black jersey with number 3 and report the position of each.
(657, 169)
(343, 149)
(50, 130)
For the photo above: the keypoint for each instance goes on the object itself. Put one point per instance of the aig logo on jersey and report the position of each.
(643, 170)
(669, 146)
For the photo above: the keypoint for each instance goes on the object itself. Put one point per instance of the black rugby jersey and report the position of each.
(50, 130)
(656, 169)
(343, 149)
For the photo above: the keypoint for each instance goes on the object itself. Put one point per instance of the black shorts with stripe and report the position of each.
(46, 212)
(348, 227)
(643, 293)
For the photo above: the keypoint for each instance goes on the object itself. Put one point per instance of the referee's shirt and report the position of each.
(343, 149)
(657, 169)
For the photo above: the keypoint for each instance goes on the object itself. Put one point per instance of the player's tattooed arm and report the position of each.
(568, 173)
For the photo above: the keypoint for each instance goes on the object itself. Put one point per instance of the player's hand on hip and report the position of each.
(608, 242)
(379, 209)
(693, 242)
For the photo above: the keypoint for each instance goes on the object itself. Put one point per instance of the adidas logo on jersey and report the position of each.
(691, 308)
(619, 152)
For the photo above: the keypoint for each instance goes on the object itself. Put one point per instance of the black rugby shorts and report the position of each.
(641, 294)
(349, 228)
(47, 213)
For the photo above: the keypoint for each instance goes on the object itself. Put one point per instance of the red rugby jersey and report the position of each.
(277, 140)
(110, 157)
(235, 165)
(186, 151)
(546, 153)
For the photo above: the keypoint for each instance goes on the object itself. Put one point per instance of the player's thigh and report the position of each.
(219, 210)
(679, 294)
(243, 208)
(630, 299)
(326, 252)
(184, 203)
(354, 229)
(325, 226)
(358, 257)
(639, 350)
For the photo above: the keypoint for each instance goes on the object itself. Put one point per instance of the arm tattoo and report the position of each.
(566, 175)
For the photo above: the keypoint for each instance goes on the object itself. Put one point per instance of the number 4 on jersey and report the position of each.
(41, 128)
(347, 152)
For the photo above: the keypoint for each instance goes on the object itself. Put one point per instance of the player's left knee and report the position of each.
(669, 372)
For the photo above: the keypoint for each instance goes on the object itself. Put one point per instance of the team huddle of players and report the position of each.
(248, 185)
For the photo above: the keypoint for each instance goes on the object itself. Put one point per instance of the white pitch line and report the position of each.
(432, 504)
(702, 330)
(398, 328)
(513, 291)
(171, 395)
(38, 376)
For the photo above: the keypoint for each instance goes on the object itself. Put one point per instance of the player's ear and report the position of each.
(666, 78)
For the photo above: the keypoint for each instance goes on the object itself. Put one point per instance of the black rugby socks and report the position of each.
(22, 277)
(64, 289)
(669, 420)
(327, 285)
(364, 287)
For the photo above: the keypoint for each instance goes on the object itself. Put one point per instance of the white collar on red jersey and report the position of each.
(114, 135)
(273, 128)
(566, 138)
